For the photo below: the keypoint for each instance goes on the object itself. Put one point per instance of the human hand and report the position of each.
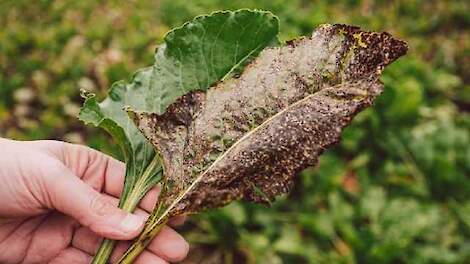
(57, 200)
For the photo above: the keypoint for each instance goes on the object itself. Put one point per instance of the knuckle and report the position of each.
(102, 205)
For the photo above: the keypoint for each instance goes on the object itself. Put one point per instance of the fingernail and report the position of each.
(132, 222)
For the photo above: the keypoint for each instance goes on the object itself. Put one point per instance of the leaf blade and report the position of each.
(354, 64)
(205, 50)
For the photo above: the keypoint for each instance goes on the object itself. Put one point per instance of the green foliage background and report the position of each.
(395, 190)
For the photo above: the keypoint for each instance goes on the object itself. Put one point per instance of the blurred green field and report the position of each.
(395, 190)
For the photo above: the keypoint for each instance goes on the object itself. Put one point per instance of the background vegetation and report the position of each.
(395, 190)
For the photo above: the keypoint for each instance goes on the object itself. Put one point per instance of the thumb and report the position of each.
(70, 195)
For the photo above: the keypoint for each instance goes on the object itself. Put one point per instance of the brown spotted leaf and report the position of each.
(246, 138)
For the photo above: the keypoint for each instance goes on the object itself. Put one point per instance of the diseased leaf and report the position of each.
(194, 56)
(246, 138)
(261, 129)
(143, 169)
(204, 51)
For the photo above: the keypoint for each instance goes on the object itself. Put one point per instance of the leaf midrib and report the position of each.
(243, 138)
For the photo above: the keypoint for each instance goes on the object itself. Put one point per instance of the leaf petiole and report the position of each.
(152, 227)
(141, 187)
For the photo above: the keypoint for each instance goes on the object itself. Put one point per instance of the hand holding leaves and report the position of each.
(247, 137)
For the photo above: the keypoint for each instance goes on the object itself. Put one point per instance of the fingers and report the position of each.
(145, 257)
(177, 220)
(18, 240)
(168, 245)
(72, 255)
(86, 240)
(79, 197)
(57, 228)
(148, 202)
(97, 170)
(100, 171)
(70, 195)
(147, 205)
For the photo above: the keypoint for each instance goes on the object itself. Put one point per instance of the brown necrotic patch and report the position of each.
(248, 137)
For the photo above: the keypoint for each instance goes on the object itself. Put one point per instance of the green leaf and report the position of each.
(110, 116)
(204, 51)
(143, 169)
(247, 137)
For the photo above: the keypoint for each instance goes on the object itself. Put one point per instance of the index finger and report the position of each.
(100, 171)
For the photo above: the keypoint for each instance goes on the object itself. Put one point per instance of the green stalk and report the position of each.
(142, 242)
(132, 200)
(104, 252)
(154, 224)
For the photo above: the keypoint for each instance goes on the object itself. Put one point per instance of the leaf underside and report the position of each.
(247, 137)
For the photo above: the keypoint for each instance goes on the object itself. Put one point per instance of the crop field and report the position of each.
(396, 189)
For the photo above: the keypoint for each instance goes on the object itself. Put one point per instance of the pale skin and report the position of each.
(57, 201)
